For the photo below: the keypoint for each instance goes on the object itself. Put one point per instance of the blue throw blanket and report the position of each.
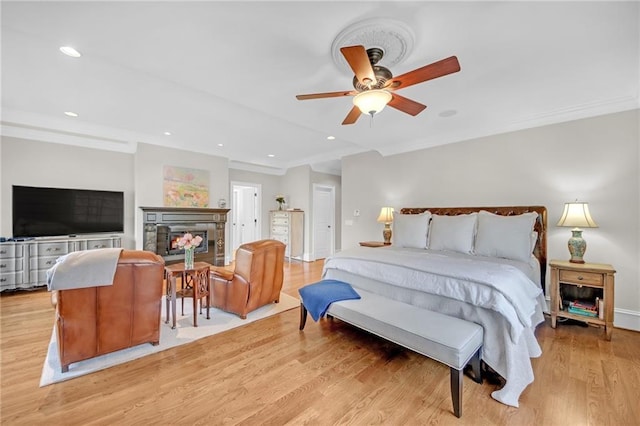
(317, 297)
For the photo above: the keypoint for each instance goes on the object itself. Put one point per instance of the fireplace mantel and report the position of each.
(160, 222)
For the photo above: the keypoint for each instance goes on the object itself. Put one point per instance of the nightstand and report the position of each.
(373, 244)
(598, 276)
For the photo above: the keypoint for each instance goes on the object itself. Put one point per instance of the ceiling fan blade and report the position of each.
(353, 116)
(428, 72)
(406, 105)
(326, 95)
(359, 62)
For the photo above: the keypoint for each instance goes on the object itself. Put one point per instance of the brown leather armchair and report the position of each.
(256, 280)
(94, 321)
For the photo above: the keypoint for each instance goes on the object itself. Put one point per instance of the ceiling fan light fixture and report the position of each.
(372, 101)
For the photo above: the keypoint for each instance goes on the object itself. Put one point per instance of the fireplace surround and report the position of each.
(162, 225)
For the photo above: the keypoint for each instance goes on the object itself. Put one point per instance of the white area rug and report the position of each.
(184, 332)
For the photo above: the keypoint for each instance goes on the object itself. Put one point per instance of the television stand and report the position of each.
(24, 262)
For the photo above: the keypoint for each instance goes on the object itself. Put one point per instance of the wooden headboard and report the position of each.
(540, 226)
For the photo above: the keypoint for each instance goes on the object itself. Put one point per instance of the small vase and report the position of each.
(188, 258)
(279, 206)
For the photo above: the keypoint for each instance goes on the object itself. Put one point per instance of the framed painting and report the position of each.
(185, 187)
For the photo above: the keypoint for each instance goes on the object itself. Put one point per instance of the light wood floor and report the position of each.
(270, 373)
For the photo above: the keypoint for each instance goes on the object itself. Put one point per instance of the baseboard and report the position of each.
(627, 319)
(622, 318)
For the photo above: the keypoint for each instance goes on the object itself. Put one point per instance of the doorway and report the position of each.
(245, 214)
(323, 221)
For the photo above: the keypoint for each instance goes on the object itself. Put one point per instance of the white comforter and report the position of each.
(496, 295)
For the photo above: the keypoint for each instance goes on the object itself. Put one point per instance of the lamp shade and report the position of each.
(386, 215)
(576, 215)
(372, 101)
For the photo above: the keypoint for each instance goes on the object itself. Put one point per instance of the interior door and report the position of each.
(323, 221)
(245, 214)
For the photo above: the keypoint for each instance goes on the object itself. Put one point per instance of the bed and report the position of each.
(482, 264)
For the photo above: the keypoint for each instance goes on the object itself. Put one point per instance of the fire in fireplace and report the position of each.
(168, 237)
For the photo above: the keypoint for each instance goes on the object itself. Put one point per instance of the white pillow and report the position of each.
(534, 240)
(410, 230)
(508, 237)
(453, 233)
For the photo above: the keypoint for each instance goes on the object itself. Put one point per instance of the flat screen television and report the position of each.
(45, 212)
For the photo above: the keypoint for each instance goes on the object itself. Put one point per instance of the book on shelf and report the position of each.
(582, 304)
(584, 312)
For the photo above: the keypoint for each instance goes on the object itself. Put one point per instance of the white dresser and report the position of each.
(24, 264)
(288, 226)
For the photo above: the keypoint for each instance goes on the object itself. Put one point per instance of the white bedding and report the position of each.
(497, 294)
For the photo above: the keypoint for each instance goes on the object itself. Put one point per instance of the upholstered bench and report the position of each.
(451, 341)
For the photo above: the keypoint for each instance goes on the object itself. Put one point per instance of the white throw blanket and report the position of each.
(497, 296)
(80, 269)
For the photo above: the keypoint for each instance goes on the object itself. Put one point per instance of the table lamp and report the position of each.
(386, 217)
(577, 215)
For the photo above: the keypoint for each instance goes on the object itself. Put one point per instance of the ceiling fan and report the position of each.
(375, 86)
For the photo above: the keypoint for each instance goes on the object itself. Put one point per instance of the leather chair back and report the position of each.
(98, 320)
(256, 280)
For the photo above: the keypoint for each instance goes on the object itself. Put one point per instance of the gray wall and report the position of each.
(139, 175)
(149, 161)
(270, 189)
(595, 160)
(297, 187)
(32, 163)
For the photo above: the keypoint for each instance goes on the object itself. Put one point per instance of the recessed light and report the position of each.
(448, 113)
(270, 155)
(70, 114)
(331, 138)
(70, 51)
(167, 133)
(220, 144)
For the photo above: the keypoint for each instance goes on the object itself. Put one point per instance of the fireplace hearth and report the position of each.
(164, 225)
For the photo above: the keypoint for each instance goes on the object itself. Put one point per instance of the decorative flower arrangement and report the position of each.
(188, 241)
(280, 200)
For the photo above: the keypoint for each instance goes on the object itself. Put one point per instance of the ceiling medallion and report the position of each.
(393, 37)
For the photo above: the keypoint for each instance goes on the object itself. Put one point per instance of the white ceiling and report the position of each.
(228, 72)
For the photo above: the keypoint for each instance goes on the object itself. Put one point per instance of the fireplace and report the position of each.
(168, 237)
(163, 226)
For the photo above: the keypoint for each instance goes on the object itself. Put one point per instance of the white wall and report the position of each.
(594, 160)
(33, 163)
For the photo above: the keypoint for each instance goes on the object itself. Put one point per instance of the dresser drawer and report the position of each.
(9, 280)
(281, 238)
(280, 215)
(11, 250)
(581, 278)
(38, 278)
(280, 230)
(42, 262)
(45, 249)
(98, 244)
(11, 265)
(280, 221)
